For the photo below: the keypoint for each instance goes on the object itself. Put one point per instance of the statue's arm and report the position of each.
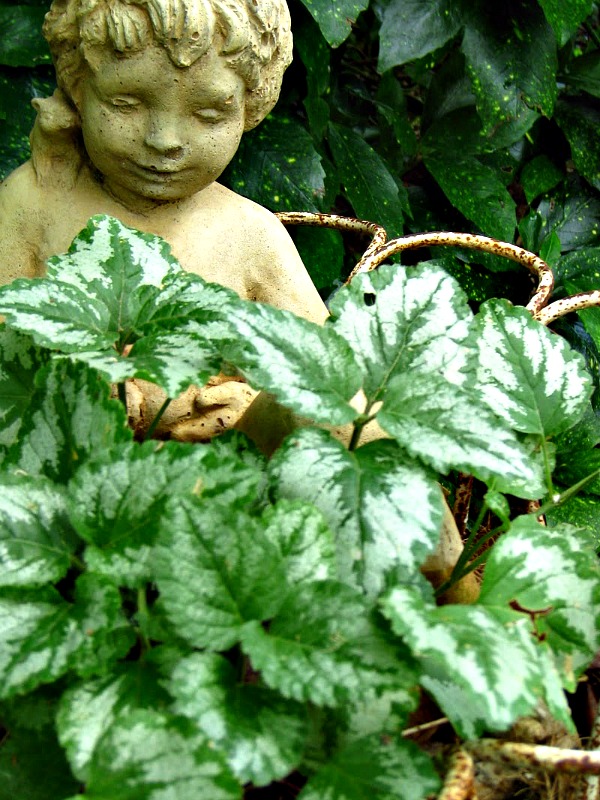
(20, 227)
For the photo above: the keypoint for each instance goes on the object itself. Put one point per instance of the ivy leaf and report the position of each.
(303, 539)
(579, 120)
(70, 419)
(552, 575)
(216, 570)
(404, 322)
(278, 167)
(27, 755)
(147, 755)
(42, 636)
(369, 185)
(19, 361)
(384, 511)
(335, 20)
(511, 60)
(88, 710)
(117, 506)
(448, 427)
(528, 376)
(480, 664)
(411, 29)
(308, 368)
(324, 647)
(566, 17)
(375, 768)
(36, 540)
(262, 735)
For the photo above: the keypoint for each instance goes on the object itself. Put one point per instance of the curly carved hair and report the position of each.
(254, 36)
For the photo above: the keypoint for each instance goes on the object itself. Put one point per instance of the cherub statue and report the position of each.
(153, 99)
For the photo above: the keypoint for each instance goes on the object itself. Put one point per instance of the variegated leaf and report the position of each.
(87, 710)
(384, 511)
(19, 361)
(481, 665)
(308, 368)
(36, 540)
(447, 427)
(70, 419)
(324, 646)
(115, 286)
(215, 570)
(551, 575)
(527, 375)
(404, 322)
(262, 735)
(149, 755)
(375, 768)
(42, 636)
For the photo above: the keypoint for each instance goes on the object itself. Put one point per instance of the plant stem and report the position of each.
(157, 418)
(142, 618)
(547, 466)
(557, 499)
(460, 571)
(77, 562)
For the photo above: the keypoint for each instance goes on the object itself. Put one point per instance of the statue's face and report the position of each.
(156, 132)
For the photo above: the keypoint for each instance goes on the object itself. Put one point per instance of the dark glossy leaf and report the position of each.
(579, 122)
(385, 512)
(322, 251)
(215, 571)
(573, 214)
(411, 29)
(277, 166)
(511, 59)
(21, 40)
(69, 420)
(315, 55)
(369, 185)
(323, 646)
(477, 191)
(335, 19)
(36, 540)
(19, 361)
(146, 755)
(375, 768)
(262, 735)
(584, 73)
(583, 510)
(33, 766)
(565, 16)
(539, 176)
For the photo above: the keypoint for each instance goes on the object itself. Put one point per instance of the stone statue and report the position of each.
(153, 99)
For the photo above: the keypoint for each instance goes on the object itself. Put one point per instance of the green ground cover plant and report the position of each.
(186, 620)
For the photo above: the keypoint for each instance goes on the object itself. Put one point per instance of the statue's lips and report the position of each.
(158, 174)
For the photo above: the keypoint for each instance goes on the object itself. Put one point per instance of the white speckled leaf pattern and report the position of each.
(324, 647)
(149, 755)
(404, 322)
(35, 537)
(215, 570)
(262, 735)
(384, 511)
(553, 571)
(527, 375)
(307, 367)
(19, 361)
(375, 768)
(448, 427)
(481, 665)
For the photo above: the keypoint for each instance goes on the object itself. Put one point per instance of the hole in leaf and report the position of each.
(369, 298)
